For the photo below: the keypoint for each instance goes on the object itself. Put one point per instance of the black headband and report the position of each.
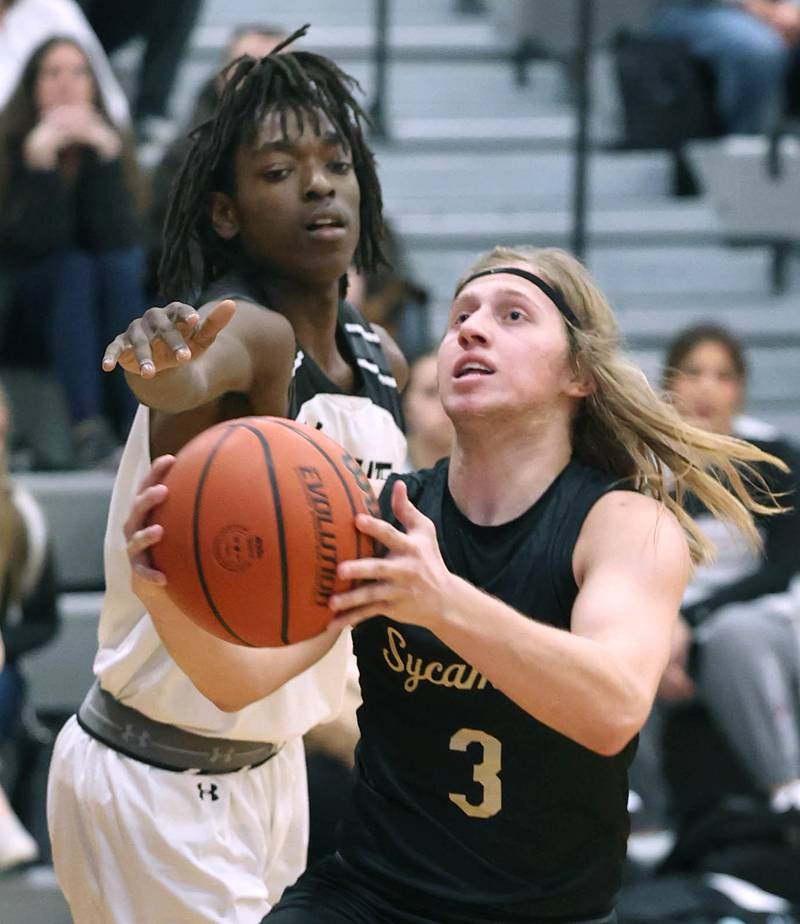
(555, 296)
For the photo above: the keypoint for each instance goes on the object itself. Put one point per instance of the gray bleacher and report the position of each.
(474, 160)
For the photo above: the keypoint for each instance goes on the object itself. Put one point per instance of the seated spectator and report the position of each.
(25, 24)
(736, 646)
(429, 430)
(28, 620)
(255, 41)
(165, 28)
(751, 45)
(68, 237)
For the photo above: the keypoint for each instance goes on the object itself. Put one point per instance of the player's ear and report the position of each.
(224, 218)
(581, 382)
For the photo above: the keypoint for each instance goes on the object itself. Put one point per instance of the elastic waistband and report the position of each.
(164, 746)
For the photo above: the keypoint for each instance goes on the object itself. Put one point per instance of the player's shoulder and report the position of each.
(624, 524)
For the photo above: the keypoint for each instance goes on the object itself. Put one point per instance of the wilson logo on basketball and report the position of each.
(236, 548)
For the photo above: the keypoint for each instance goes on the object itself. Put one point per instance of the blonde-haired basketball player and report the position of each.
(511, 642)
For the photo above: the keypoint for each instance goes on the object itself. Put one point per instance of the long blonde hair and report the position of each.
(626, 428)
(13, 532)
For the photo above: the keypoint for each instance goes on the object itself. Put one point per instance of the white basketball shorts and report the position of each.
(135, 844)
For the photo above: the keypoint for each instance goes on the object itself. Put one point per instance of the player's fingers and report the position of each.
(219, 316)
(383, 532)
(144, 503)
(139, 334)
(114, 351)
(146, 573)
(181, 313)
(157, 473)
(405, 511)
(163, 327)
(354, 617)
(366, 569)
(365, 595)
(143, 539)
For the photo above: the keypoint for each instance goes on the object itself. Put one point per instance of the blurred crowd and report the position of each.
(81, 224)
(79, 251)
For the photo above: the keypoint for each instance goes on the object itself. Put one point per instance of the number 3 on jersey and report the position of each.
(486, 773)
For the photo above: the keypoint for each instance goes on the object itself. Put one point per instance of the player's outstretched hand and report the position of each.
(139, 536)
(411, 583)
(163, 338)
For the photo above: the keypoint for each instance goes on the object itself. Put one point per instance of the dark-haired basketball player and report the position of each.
(172, 800)
(511, 641)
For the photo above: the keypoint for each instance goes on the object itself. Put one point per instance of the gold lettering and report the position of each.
(430, 670)
(457, 675)
(414, 671)
(395, 639)
(454, 676)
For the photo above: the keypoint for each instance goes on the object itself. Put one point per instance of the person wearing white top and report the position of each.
(25, 24)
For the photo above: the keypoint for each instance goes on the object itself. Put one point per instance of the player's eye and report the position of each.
(341, 167)
(276, 174)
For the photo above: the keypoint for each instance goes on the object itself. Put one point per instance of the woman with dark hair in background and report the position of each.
(736, 645)
(28, 619)
(68, 235)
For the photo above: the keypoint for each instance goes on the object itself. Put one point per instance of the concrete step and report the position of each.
(653, 222)
(60, 673)
(293, 13)
(75, 505)
(652, 285)
(32, 897)
(440, 88)
(758, 321)
(474, 40)
(507, 180)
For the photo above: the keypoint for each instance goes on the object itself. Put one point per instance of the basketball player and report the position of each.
(169, 803)
(511, 642)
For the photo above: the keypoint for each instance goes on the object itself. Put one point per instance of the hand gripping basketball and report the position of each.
(259, 512)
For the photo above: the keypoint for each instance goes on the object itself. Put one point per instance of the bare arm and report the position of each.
(595, 684)
(231, 676)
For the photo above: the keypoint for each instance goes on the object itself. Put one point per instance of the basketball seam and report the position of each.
(196, 537)
(281, 531)
(288, 426)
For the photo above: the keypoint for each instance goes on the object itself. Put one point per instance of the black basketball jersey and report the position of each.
(368, 422)
(464, 804)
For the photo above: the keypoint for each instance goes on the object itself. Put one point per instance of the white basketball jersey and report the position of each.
(134, 666)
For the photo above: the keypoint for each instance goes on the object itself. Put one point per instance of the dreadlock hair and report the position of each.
(307, 85)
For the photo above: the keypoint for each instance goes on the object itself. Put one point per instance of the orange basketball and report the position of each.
(259, 513)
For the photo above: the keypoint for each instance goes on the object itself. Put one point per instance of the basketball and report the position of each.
(259, 513)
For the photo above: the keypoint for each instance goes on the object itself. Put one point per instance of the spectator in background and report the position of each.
(428, 429)
(25, 24)
(736, 646)
(392, 298)
(28, 620)
(165, 27)
(255, 41)
(751, 45)
(68, 235)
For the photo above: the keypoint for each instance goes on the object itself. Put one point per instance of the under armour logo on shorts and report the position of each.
(210, 790)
